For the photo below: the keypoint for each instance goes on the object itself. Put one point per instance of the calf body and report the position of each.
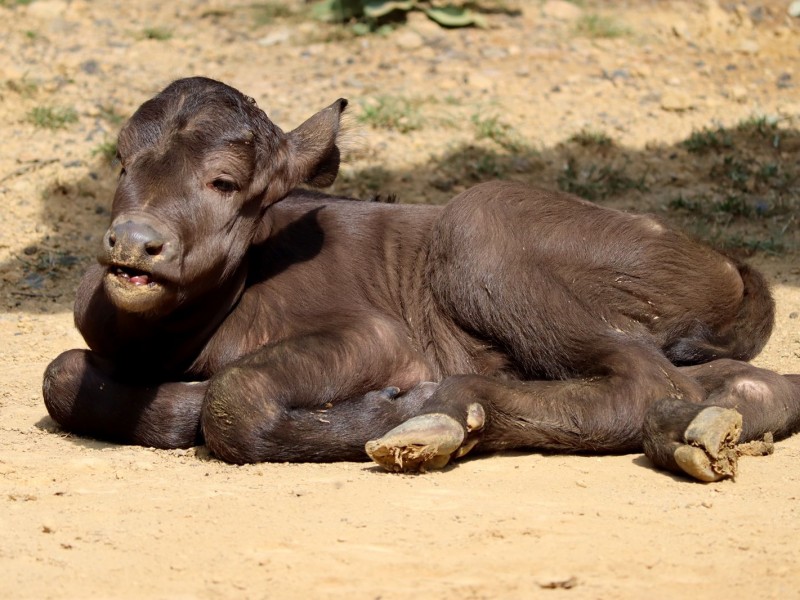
(274, 323)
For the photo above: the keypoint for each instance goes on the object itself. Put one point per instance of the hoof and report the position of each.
(710, 453)
(426, 442)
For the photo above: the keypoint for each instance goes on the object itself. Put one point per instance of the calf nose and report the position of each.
(137, 240)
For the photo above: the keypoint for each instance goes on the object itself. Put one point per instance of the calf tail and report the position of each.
(743, 338)
(756, 317)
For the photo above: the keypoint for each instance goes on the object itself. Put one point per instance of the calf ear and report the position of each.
(313, 147)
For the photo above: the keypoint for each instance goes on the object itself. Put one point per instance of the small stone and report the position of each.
(681, 30)
(784, 81)
(617, 74)
(561, 10)
(90, 67)
(409, 40)
(794, 315)
(274, 38)
(676, 101)
(791, 109)
(47, 10)
(794, 9)
(481, 82)
(739, 93)
(749, 47)
(30, 250)
(493, 52)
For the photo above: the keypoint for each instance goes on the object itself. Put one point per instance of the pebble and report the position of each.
(493, 52)
(739, 93)
(47, 9)
(559, 9)
(276, 37)
(681, 30)
(409, 40)
(676, 101)
(794, 9)
(481, 82)
(90, 67)
(749, 47)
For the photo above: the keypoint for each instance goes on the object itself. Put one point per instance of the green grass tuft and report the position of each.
(707, 140)
(265, 13)
(160, 34)
(50, 117)
(598, 26)
(492, 128)
(107, 151)
(392, 112)
(597, 183)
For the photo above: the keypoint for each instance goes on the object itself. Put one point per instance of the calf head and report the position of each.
(200, 165)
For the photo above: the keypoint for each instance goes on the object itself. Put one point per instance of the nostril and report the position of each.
(138, 240)
(154, 247)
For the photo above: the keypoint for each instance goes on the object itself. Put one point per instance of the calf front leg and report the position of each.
(313, 397)
(84, 397)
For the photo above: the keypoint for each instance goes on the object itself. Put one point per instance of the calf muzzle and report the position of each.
(137, 243)
(141, 260)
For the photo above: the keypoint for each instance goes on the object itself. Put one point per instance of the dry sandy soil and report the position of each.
(84, 519)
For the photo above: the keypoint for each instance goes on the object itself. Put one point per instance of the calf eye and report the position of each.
(223, 186)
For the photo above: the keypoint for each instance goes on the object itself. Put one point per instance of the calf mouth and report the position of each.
(132, 276)
(136, 291)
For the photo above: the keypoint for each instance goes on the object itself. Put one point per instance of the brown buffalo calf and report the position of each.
(279, 324)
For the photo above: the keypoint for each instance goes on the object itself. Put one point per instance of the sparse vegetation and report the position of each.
(156, 33)
(474, 163)
(707, 140)
(265, 13)
(595, 182)
(109, 113)
(599, 26)
(23, 86)
(589, 138)
(52, 117)
(107, 151)
(501, 133)
(392, 112)
(752, 194)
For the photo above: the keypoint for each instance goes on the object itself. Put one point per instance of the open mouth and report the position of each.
(132, 276)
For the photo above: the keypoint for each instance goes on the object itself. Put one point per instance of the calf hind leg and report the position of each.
(597, 414)
(743, 404)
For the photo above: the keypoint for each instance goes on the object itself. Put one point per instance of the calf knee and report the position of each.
(238, 416)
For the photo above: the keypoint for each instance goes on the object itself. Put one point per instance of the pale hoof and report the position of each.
(426, 442)
(710, 452)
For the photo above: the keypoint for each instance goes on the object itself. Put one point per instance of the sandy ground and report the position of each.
(84, 519)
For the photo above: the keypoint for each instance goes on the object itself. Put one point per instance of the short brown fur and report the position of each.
(230, 307)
